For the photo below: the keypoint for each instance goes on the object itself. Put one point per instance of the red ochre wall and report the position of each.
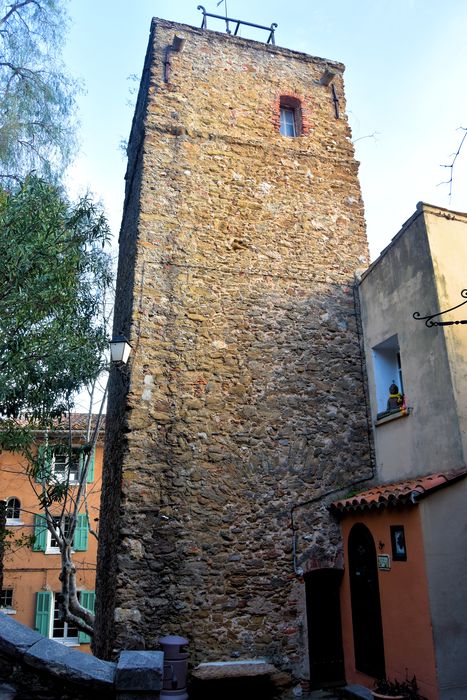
(405, 610)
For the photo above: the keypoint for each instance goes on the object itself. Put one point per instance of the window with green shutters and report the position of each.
(45, 542)
(80, 543)
(90, 474)
(44, 463)
(56, 461)
(88, 601)
(48, 620)
(43, 607)
(40, 534)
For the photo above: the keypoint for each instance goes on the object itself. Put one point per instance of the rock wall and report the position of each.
(244, 398)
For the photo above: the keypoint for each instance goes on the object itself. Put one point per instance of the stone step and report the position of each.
(357, 692)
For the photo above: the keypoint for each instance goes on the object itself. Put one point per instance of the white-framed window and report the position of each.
(45, 541)
(13, 511)
(290, 116)
(388, 372)
(6, 601)
(60, 463)
(288, 127)
(48, 617)
(65, 465)
(60, 630)
(52, 543)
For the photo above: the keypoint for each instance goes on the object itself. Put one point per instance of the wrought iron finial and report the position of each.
(430, 323)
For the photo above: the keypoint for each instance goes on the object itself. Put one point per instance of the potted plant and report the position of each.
(390, 690)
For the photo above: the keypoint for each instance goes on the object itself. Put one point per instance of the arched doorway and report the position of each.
(366, 606)
(325, 649)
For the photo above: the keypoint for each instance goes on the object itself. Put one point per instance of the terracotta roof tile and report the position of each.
(79, 421)
(407, 492)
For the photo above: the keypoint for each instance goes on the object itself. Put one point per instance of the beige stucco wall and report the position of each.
(446, 564)
(447, 235)
(420, 271)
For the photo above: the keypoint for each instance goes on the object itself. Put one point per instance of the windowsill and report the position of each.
(13, 522)
(8, 611)
(393, 416)
(73, 642)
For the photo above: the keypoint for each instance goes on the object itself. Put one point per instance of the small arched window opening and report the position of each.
(13, 509)
(290, 116)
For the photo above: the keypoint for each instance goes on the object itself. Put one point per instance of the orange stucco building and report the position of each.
(387, 601)
(402, 597)
(32, 559)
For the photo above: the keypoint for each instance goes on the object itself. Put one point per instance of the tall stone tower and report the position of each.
(243, 406)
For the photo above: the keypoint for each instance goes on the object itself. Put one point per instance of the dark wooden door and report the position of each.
(366, 606)
(324, 627)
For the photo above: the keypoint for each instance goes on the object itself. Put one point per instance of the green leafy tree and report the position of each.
(54, 276)
(54, 273)
(36, 94)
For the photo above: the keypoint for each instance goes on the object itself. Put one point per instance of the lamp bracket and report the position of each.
(429, 319)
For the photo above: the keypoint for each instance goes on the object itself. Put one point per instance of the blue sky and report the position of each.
(405, 84)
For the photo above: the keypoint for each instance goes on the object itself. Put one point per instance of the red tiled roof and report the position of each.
(400, 493)
(79, 423)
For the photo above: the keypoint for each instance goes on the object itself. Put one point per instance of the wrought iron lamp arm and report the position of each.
(430, 323)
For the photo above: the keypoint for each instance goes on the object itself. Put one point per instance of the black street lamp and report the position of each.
(120, 350)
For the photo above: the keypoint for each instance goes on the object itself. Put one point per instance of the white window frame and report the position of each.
(14, 521)
(72, 641)
(49, 547)
(288, 122)
(8, 609)
(62, 474)
(387, 370)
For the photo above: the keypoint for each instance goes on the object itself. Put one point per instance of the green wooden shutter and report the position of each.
(88, 601)
(44, 463)
(80, 541)
(40, 534)
(90, 477)
(43, 606)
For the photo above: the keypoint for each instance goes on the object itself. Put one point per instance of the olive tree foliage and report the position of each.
(54, 277)
(36, 95)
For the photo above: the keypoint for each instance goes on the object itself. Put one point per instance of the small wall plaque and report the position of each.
(384, 562)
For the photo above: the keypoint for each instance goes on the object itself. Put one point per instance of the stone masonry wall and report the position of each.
(245, 396)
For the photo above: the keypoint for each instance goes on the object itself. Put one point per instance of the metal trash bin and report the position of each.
(175, 667)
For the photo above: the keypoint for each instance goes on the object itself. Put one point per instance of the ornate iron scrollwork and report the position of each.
(429, 319)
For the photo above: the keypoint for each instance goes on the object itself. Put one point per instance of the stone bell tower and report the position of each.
(243, 404)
